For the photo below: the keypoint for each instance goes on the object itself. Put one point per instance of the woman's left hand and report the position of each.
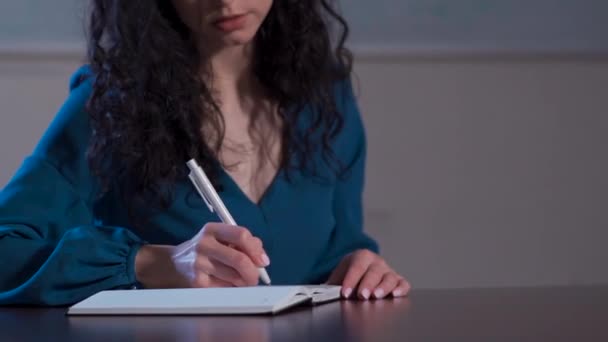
(366, 273)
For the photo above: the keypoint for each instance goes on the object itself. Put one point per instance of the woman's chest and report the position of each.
(250, 150)
(291, 217)
(253, 172)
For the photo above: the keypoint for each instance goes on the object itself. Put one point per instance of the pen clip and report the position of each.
(200, 191)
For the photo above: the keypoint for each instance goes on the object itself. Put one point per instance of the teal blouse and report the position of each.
(60, 242)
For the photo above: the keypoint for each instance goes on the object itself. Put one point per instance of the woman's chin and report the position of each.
(237, 38)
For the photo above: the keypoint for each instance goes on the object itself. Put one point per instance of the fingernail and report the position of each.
(265, 260)
(365, 293)
(347, 292)
(397, 293)
(379, 293)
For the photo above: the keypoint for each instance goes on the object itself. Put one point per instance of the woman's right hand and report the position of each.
(220, 255)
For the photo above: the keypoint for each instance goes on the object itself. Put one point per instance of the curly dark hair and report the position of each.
(149, 102)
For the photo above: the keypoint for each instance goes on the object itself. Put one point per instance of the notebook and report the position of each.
(204, 301)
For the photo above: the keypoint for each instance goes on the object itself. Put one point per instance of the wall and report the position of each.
(481, 171)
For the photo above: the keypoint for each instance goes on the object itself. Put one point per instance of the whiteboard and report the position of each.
(401, 25)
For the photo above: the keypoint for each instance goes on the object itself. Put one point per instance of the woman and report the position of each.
(255, 91)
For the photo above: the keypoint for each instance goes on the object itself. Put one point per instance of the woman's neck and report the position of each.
(231, 78)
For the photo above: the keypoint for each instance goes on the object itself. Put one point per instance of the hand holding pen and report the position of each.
(221, 254)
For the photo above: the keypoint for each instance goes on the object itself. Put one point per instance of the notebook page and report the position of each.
(323, 293)
(187, 301)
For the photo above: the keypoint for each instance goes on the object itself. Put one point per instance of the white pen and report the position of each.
(214, 202)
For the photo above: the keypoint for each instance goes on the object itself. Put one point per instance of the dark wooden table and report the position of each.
(516, 314)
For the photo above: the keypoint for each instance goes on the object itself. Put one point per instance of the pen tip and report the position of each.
(264, 276)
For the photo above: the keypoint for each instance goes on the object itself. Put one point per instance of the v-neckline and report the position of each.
(267, 193)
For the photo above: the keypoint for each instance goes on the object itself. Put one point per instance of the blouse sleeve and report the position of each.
(351, 147)
(53, 251)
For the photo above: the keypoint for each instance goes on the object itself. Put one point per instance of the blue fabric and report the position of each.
(60, 242)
